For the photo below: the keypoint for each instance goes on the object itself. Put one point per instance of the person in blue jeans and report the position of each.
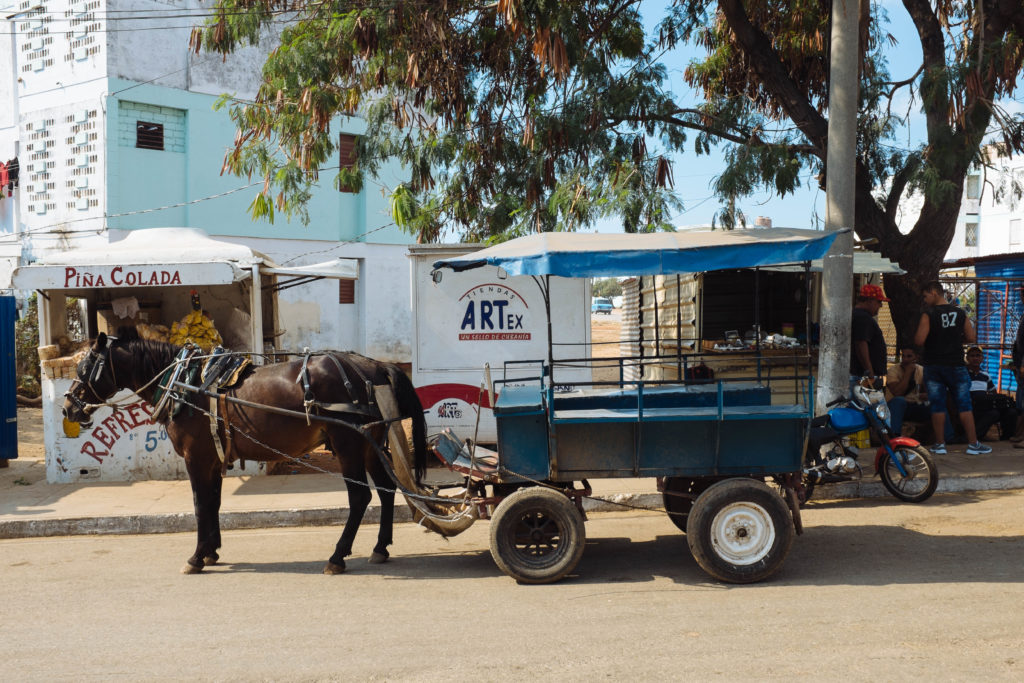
(906, 394)
(942, 331)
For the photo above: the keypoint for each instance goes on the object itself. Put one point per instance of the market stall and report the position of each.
(173, 284)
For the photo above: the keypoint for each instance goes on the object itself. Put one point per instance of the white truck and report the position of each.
(483, 317)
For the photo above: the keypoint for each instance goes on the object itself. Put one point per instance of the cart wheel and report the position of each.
(678, 506)
(740, 531)
(537, 535)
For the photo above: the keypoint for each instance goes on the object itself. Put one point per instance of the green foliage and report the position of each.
(608, 287)
(520, 116)
(26, 343)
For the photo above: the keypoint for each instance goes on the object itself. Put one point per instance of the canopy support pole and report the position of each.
(256, 313)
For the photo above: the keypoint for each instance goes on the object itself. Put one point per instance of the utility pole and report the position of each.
(837, 270)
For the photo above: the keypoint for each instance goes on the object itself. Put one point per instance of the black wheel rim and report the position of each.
(537, 536)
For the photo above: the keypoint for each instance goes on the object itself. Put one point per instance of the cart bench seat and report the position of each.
(680, 413)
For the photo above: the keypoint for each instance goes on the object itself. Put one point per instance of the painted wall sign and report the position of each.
(100, 440)
(77, 276)
(483, 316)
(494, 312)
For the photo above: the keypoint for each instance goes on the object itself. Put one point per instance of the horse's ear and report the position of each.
(101, 341)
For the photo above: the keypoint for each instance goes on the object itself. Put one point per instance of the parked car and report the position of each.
(601, 305)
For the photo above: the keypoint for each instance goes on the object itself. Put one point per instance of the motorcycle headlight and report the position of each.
(882, 411)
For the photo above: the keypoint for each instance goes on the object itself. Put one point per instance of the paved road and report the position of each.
(874, 590)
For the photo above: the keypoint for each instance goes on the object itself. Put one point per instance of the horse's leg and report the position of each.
(205, 476)
(386, 493)
(354, 471)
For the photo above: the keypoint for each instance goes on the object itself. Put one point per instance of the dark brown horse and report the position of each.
(336, 378)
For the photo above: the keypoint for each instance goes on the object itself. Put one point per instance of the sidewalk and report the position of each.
(31, 507)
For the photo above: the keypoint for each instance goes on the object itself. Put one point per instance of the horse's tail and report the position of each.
(410, 407)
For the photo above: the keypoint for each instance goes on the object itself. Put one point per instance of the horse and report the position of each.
(251, 433)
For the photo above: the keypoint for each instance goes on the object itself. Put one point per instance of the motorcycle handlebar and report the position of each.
(838, 400)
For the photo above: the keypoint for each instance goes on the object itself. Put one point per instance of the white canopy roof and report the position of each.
(163, 256)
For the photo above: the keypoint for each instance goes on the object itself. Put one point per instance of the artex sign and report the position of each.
(494, 312)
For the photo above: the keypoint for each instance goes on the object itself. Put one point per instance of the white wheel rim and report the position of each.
(742, 533)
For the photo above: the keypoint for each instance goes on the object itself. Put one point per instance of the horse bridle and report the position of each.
(95, 370)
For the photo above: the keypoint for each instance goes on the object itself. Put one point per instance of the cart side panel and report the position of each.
(595, 449)
(524, 444)
(762, 446)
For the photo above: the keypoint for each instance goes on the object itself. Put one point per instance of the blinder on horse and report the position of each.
(89, 372)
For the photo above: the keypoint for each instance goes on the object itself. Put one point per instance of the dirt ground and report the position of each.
(30, 434)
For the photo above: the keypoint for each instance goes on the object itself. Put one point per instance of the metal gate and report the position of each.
(8, 400)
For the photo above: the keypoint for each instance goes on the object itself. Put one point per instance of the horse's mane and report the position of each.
(150, 357)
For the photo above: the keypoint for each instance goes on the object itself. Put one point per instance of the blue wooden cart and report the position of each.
(711, 443)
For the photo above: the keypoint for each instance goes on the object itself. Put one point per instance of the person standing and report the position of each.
(1018, 370)
(867, 345)
(942, 331)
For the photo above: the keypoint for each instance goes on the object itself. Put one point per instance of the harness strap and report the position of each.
(215, 436)
(229, 451)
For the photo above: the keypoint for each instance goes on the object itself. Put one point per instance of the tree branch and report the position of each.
(768, 67)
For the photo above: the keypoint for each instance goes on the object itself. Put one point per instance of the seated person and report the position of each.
(989, 406)
(906, 394)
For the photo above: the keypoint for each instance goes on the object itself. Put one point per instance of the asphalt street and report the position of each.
(874, 590)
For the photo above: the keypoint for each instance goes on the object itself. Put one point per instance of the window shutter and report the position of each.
(149, 135)
(346, 291)
(347, 156)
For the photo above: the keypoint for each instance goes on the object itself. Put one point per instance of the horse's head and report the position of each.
(94, 385)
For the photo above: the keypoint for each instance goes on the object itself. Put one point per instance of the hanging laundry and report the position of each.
(4, 179)
(13, 167)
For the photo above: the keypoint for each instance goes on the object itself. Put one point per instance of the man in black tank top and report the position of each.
(942, 331)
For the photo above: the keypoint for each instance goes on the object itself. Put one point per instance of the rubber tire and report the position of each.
(558, 525)
(746, 502)
(891, 476)
(678, 507)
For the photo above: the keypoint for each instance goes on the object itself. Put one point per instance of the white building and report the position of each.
(991, 219)
(111, 118)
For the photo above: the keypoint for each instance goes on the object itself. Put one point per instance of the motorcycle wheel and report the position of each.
(922, 476)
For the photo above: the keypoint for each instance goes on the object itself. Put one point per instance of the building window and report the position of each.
(346, 291)
(149, 135)
(347, 157)
(971, 235)
(1015, 232)
(974, 186)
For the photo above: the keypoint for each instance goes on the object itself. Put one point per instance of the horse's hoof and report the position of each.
(190, 569)
(378, 558)
(211, 559)
(331, 568)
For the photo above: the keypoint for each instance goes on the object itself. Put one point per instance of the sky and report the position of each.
(694, 175)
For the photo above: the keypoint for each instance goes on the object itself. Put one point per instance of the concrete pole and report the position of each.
(837, 272)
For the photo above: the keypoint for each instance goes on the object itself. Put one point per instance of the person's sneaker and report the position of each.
(938, 449)
(978, 448)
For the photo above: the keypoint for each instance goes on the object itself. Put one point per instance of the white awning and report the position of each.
(341, 269)
(864, 263)
(160, 257)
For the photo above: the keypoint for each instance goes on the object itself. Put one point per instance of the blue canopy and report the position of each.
(577, 254)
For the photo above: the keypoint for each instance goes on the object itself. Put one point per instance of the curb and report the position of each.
(180, 522)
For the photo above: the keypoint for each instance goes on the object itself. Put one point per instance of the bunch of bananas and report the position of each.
(198, 329)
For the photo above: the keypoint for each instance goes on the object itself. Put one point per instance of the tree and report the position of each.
(608, 287)
(523, 115)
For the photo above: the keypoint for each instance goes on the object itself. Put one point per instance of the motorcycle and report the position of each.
(905, 466)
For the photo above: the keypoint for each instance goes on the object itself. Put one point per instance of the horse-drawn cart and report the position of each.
(711, 443)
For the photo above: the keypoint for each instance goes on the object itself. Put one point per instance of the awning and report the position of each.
(571, 254)
(864, 263)
(160, 257)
